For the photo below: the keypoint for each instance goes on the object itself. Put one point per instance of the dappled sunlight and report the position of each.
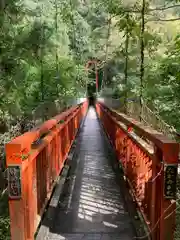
(91, 201)
(85, 216)
(97, 197)
(110, 224)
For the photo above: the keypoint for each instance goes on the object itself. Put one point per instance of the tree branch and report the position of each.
(164, 20)
(149, 10)
(164, 8)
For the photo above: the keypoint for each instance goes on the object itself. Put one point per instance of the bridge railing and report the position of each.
(149, 118)
(34, 162)
(149, 161)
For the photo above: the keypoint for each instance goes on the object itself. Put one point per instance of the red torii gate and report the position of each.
(89, 63)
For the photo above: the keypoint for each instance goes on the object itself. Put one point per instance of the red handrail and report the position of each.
(147, 169)
(33, 168)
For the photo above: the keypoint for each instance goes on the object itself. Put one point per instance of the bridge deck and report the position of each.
(91, 206)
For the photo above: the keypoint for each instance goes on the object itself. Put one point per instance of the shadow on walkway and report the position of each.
(91, 206)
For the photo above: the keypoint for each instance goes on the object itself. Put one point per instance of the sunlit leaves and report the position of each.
(33, 50)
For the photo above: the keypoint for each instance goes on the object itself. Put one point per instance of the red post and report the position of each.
(16, 206)
(170, 152)
(96, 71)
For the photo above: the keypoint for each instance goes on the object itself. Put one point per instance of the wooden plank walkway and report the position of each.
(91, 206)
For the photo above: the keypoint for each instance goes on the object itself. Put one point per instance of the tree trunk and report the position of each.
(104, 78)
(57, 59)
(142, 56)
(41, 60)
(126, 66)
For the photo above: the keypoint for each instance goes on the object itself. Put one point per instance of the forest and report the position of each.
(44, 47)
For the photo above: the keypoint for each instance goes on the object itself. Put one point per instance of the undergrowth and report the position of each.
(4, 218)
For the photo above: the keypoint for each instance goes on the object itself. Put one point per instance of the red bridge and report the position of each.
(92, 173)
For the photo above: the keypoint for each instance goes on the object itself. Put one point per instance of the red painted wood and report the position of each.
(144, 170)
(40, 168)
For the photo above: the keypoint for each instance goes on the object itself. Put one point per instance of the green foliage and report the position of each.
(4, 218)
(161, 80)
(43, 53)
